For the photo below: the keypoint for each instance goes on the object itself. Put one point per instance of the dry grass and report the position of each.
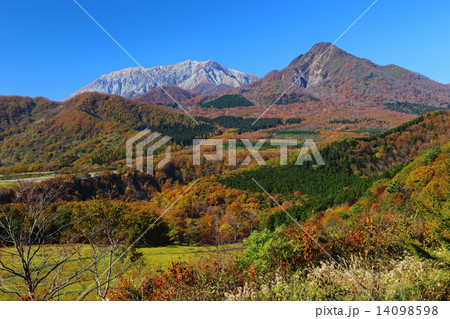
(406, 279)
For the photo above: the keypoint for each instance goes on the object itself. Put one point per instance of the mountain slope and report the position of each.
(204, 77)
(91, 123)
(160, 96)
(328, 72)
(16, 112)
(327, 75)
(351, 166)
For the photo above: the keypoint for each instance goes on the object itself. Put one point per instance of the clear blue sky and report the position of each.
(51, 48)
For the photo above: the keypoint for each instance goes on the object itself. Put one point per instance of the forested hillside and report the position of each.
(16, 112)
(409, 211)
(389, 244)
(228, 101)
(51, 135)
(351, 166)
(242, 124)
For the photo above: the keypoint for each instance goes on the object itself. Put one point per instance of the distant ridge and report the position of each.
(204, 77)
(328, 72)
(328, 76)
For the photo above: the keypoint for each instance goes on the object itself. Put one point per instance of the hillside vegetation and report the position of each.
(350, 167)
(391, 244)
(50, 135)
(227, 101)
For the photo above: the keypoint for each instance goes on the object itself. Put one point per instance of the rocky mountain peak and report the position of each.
(205, 77)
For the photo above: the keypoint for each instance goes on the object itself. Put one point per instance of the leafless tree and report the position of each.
(112, 261)
(40, 255)
(104, 231)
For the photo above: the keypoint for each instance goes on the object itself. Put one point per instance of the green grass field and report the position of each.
(153, 259)
(161, 257)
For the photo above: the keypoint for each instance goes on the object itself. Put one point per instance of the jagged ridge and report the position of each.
(204, 77)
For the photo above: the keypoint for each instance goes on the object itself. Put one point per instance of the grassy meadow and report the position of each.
(155, 259)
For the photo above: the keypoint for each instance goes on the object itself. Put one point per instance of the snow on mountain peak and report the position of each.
(204, 77)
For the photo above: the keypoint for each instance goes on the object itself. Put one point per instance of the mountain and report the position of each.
(205, 77)
(335, 90)
(160, 96)
(327, 76)
(327, 72)
(89, 129)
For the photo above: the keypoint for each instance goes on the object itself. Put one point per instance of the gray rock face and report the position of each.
(204, 77)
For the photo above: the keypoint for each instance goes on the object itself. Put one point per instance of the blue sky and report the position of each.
(51, 48)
